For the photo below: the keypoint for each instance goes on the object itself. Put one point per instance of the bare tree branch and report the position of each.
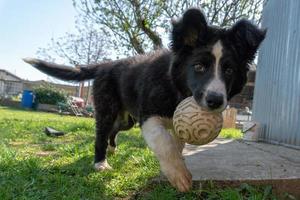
(140, 25)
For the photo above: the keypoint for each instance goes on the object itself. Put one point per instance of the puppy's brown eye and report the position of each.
(228, 71)
(199, 68)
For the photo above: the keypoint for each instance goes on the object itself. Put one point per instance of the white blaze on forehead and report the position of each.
(217, 51)
(216, 84)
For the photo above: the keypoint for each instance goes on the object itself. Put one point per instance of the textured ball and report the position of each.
(194, 125)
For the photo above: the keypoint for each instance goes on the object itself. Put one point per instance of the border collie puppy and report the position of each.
(208, 62)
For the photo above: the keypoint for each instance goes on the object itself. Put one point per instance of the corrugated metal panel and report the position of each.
(277, 87)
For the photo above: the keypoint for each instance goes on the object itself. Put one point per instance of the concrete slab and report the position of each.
(234, 161)
(225, 159)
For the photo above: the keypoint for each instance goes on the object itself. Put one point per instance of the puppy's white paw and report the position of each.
(103, 165)
(111, 149)
(178, 176)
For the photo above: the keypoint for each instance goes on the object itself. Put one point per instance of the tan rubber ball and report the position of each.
(194, 125)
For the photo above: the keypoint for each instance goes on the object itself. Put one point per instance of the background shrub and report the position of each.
(48, 94)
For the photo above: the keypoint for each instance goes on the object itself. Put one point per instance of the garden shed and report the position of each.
(10, 84)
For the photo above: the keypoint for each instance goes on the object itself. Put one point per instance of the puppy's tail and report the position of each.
(78, 73)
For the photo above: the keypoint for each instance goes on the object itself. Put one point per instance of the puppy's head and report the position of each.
(212, 62)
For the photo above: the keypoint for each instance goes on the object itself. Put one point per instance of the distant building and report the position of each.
(10, 84)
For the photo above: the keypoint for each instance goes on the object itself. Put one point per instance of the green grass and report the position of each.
(35, 166)
(231, 133)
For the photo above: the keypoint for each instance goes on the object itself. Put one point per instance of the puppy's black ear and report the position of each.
(246, 37)
(189, 30)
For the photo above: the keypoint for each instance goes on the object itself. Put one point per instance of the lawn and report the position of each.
(35, 166)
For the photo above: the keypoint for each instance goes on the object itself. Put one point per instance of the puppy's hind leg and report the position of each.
(104, 125)
(107, 107)
(123, 123)
(112, 145)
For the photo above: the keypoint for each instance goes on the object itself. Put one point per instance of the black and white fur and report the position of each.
(207, 62)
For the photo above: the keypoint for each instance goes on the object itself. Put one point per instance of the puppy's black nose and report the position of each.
(214, 100)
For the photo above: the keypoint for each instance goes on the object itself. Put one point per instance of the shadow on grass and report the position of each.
(29, 180)
(161, 190)
(37, 178)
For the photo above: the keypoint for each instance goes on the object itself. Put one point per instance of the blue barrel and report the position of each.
(27, 99)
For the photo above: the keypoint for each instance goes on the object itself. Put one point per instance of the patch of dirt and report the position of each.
(51, 142)
(46, 153)
(17, 143)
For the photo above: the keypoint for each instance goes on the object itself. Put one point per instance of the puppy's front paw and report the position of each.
(103, 165)
(178, 176)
